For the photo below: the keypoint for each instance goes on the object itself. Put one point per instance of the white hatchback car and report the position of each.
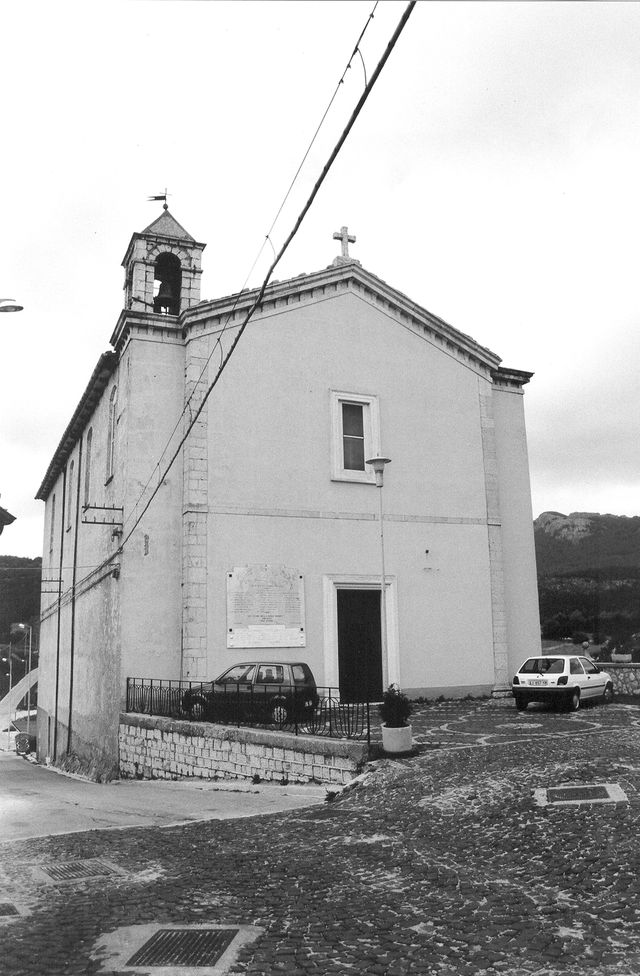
(560, 680)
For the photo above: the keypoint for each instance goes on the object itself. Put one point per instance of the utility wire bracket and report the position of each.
(106, 519)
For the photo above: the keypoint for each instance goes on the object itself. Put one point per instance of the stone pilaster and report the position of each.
(494, 534)
(194, 526)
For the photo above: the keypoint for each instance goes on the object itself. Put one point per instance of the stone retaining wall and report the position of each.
(626, 677)
(164, 748)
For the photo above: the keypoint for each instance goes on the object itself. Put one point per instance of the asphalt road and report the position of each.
(37, 801)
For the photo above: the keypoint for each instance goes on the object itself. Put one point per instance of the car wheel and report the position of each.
(279, 713)
(607, 697)
(197, 709)
(574, 700)
(521, 703)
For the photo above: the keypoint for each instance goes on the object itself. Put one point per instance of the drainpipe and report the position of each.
(73, 596)
(63, 509)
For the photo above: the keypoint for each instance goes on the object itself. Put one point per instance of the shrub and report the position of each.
(579, 637)
(395, 708)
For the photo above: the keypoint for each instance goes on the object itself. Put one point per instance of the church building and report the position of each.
(197, 518)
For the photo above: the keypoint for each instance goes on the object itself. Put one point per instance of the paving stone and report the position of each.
(459, 885)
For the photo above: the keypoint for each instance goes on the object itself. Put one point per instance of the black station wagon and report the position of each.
(258, 691)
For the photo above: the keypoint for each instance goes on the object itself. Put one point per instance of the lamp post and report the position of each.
(10, 690)
(25, 627)
(10, 305)
(378, 465)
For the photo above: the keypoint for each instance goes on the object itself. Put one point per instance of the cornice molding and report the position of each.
(510, 380)
(306, 288)
(99, 380)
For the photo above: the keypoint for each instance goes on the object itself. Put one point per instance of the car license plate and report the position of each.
(537, 682)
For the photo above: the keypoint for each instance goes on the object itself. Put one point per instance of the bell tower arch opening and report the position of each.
(167, 284)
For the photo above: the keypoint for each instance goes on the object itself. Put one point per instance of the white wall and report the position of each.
(80, 641)
(521, 585)
(151, 561)
(270, 434)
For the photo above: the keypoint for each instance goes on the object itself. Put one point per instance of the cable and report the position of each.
(218, 342)
(258, 300)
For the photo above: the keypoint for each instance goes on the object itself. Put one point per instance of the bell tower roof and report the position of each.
(166, 225)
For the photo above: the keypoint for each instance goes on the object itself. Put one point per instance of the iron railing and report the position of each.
(297, 710)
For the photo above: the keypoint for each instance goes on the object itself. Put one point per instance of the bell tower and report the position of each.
(162, 268)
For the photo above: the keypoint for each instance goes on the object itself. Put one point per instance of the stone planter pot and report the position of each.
(397, 741)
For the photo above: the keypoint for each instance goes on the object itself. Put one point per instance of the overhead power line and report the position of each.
(218, 343)
(258, 300)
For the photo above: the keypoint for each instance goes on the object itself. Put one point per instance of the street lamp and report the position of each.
(10, 305)
(23, 628)
(8, 661)
(378, 464)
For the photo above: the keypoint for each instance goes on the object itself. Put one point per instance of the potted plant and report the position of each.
(394, 712)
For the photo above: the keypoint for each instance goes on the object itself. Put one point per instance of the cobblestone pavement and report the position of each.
(441, 863)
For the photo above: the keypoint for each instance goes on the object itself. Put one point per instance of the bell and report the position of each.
(164, 298)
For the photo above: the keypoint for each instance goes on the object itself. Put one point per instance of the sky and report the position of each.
(492, 176)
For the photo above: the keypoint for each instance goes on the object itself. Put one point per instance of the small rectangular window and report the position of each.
(355, 436)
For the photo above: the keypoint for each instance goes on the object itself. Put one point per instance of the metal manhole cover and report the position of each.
(577, 793)
(79, 870)
(8, 909)
(184, 947)
(209, 950)
(570, 794)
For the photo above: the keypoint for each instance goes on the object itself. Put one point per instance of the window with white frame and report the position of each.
(53, 522)
(111, 434)
(355, 436)
(87, 466)
(70, 495)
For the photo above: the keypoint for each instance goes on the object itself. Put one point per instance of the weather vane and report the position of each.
(161, 196)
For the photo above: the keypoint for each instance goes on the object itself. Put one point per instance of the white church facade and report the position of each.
(192, 523)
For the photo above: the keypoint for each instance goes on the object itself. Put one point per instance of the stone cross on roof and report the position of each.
(346, 238)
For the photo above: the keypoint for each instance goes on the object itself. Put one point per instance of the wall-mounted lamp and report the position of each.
(10, 305)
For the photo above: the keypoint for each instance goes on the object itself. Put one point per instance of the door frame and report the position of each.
(330, 586)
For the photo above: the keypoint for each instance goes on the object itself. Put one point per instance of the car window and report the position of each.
(240, 672)
(543, 665)
(299, 674)
(270, 674)
(556, 667)
(575, 667)
(589, 666)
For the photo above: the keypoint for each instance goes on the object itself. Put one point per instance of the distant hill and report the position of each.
(19, 593)
(586, 540)
(588, 574)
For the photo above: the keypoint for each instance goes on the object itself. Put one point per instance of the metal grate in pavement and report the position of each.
(87, 870)
(198, 948)
(573, 794)
(174, 950)
(577, 793)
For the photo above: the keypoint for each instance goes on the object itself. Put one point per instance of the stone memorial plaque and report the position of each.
(265, 607)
